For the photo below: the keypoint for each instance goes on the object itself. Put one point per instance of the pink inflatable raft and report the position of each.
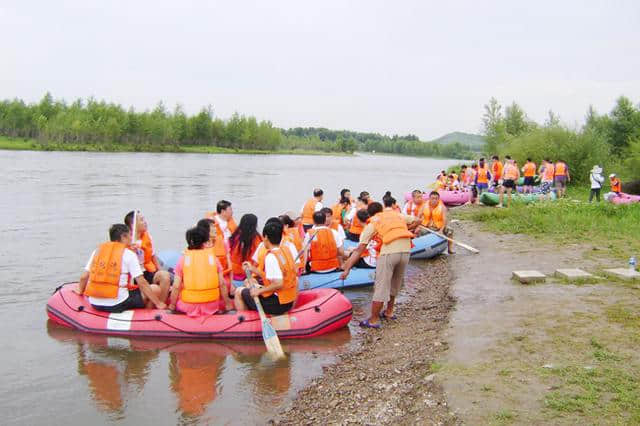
(622, 198)
(449, 198)
(317, 312)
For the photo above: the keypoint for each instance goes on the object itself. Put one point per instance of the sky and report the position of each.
(393, 67)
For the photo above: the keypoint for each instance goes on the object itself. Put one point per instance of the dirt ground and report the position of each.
(472, 346)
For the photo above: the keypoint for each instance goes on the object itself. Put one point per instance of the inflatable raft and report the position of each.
(492, 199)
(424, 247)
(358, 277)
(623, 198)
(317, 312)
(449, 198)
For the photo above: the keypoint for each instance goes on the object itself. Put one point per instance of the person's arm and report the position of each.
(352, 260)
(274, 286)
(156, 262)
(82, 283)
(444, 220)
(224, 291)
(175, 291)
(145, 288)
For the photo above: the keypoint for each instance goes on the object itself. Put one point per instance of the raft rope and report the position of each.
(316, 308)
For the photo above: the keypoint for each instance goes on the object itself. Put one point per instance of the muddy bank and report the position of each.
(389, 377)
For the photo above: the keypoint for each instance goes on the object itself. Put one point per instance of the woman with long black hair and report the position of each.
(243, 243)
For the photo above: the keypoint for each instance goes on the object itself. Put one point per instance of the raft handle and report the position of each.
(158, 317)
(240, 318)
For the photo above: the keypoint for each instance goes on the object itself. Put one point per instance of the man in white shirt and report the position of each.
(224, 218)
(127, 297)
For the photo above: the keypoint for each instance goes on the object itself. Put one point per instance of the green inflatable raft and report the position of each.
(491, 199)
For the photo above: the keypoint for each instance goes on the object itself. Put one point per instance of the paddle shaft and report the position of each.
(269, 334)
(458, 243)
(306, 246)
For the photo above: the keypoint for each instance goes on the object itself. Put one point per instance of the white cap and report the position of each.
(612, 175)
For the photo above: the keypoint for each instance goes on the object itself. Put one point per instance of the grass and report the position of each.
(611, 229)
(34, 145)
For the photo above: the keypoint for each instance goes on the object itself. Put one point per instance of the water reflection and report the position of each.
(116, 368)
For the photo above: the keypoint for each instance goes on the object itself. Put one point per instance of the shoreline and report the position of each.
(389, 375)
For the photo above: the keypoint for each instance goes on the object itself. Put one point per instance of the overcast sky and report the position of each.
(421, 67)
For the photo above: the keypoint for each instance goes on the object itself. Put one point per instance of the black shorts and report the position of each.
(271, 304)
(528, 181)
(307, 227)
(353, 237)
(362, 264)
(149, 276)
(134, 301)
(509, 183)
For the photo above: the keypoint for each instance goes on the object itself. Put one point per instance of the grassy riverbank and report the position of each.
(34, 145)
(605, 226)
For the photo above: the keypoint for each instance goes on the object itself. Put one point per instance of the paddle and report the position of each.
(458, 243)
(269, 334)
(304, 248)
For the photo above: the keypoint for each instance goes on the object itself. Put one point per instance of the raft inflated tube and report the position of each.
(449, 198)
(492, 199)
(424, 247)
(316, 312)
(622, 198)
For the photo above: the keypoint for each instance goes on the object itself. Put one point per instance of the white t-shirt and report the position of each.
(341, 232)
(130, 268)
(596, 180)
(371, 259)
(336, 235)
(224, 225)
(351, 213)
(272, 268)
(289, 245)
(317, 208)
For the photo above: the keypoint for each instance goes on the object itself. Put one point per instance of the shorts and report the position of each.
(363, 265)
(528, 181)
(389, 276)
(271, 304)
(509, 183)
(545, 187)
(149, 276)
(353, 237)
(307, 227)
(561, 181)
(495, 183)
(134, 301)
(482, 186)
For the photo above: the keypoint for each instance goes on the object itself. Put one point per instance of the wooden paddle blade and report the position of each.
(271, 340)
(471, 249)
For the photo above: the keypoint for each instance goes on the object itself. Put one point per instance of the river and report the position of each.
(57, 206)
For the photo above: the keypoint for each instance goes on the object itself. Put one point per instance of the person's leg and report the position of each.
(397, 280)
(501, 197)
(598, 195)
(157, 291)
(593, 191)
(163, 280)
(381, 287)
(239, 302)
(449, 233)
(509, 189)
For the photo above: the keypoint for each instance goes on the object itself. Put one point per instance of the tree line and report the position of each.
(94, 122)
(611, 140)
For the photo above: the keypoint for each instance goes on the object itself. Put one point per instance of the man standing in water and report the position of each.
(391, 228)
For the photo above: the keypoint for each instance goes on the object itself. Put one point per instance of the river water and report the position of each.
(54, 210)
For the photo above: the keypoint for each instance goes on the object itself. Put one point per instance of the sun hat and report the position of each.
(612, 175)
(596, 169)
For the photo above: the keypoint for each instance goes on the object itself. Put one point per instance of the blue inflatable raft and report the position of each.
(425, 247)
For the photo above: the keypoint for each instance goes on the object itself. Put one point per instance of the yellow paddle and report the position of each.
(458, 243)
(269, 334)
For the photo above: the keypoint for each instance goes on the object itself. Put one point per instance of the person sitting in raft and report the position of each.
(616, 184)
(215, 242)
(333, 222)
(291, 231)
(529, 172)
(325, 253)
(280, 290)
(261, 252)
(434, 217)
(392, 229)
(143, 246)
(243, 243)
(415, 205)
(223, 217)
(106, 279)
(342, 207)
(356, 226)
(369, 257)
(310, 207)
(511, 176)
(199, 278)
(393, 203)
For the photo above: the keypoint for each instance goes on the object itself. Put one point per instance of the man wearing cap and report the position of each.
(596, 179)
(616, 185)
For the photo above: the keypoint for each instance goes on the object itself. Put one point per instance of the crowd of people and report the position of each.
(124, 273)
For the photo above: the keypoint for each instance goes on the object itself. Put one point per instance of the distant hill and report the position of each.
(476, 142)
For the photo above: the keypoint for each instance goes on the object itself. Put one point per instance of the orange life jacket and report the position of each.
(231, 223)
(308, 210)
(200, 277)
(511, 172)
(293, 236)
(616, 185)
(289, 290)
(236, 255)
(549, 171)
(356, 225)
(376, 244)
(483, 174)
(561, 169)
(338, 210)
(390, 226)
(147, 249)
(105, 270)
(496, 170)
(324, 252)
(434, 215)
(529, 169)
(413, 209)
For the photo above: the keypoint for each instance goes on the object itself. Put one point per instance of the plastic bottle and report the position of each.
(632, 263)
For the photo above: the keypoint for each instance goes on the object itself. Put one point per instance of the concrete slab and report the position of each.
(623, 273)
(527, 277)
(573, 274)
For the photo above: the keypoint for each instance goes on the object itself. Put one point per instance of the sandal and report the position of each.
(384, 316)
(367, 324)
